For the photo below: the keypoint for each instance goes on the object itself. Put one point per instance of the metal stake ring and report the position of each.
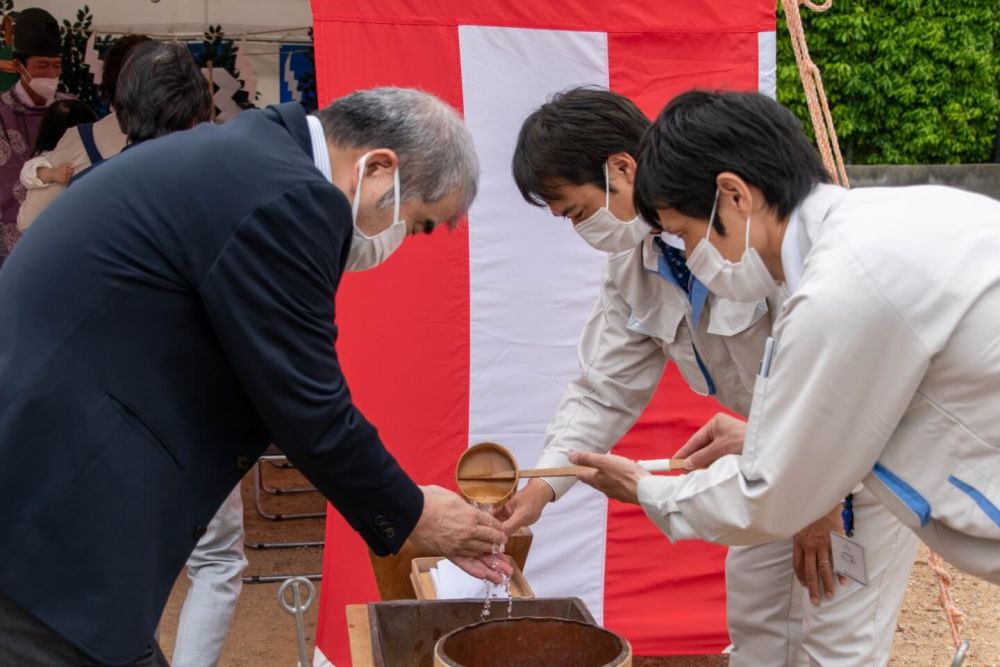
(959, 658)
(297, 608)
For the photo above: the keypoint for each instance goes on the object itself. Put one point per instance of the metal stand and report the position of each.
(274, 578)
(263, 546)
(259, 486)
(276, 459)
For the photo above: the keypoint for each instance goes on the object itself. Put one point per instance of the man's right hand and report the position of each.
(449, 526)
(526, 505)
(720, 436)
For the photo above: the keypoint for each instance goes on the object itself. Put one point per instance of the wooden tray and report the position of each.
(423, 584)
(392, 573)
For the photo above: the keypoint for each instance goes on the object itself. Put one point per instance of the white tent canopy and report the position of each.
(263, 24)
(185, 17)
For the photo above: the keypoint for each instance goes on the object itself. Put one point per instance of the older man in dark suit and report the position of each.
(173, 313)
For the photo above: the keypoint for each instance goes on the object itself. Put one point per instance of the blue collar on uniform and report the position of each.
(672, 267)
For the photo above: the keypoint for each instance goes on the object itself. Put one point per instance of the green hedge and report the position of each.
(909, 81)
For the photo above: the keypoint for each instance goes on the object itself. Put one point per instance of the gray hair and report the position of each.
(435, 150)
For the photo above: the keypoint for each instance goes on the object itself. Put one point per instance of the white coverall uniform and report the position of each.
(886, 370)
(643, 320)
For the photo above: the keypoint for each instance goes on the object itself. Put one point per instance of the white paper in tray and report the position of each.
(453, 583)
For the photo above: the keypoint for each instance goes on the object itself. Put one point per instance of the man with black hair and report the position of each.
(38, 60)
(884, 367)
(161, 90)
(577, 156)
(86, 145)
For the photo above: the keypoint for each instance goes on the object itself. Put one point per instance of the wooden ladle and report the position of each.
(487, 473)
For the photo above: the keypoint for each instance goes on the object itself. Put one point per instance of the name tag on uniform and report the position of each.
(849, 558)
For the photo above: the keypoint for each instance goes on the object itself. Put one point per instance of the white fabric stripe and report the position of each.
(320, 660)
(767, 64)
(533, 284)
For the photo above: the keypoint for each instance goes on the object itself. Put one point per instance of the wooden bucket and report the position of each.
(532, 642)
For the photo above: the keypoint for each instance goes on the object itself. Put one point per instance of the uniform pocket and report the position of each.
(972, 501)
(948, 464)
(728, 317)
(139, 423)
(658, 321)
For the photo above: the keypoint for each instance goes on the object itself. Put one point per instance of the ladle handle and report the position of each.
(565, 471)
(652, 465)
(662, 465)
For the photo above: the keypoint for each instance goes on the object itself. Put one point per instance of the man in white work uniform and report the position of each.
(576, 155)
(885, 363)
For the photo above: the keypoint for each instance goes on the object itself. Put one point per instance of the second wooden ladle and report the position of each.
(487, 473)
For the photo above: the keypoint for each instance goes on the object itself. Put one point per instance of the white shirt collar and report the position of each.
(791, 253)
(321, 153)
(672, 240)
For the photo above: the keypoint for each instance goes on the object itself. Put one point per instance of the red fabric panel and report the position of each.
(669, 598)
(404, 327)
(652, 69)
(684, 16)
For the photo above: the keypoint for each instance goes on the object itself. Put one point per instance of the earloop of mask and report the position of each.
(607, 188)
(711, 216)
(357, 193)
(396, 195)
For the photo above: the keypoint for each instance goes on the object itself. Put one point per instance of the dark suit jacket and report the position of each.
(164, 320)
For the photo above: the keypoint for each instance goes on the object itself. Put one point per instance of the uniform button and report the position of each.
(199, 532)
(243, 463)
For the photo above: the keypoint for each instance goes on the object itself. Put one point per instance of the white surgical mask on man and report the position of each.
(367, 252)
(747, 280)
(604, 231)
(45, 87)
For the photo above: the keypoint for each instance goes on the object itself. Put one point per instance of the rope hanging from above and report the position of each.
(812, 85)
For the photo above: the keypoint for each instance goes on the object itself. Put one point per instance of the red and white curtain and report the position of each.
(470, 335)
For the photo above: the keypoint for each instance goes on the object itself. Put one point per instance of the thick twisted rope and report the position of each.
(812, 85)
(956, 618)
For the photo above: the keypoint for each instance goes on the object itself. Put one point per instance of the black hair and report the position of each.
(160, 90)
(570, 138)
(701, 134)
(59, 117)
(113, 61)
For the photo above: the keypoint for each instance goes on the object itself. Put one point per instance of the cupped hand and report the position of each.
(526, 506)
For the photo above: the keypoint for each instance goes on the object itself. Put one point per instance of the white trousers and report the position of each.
(215, 569)
(773, 623)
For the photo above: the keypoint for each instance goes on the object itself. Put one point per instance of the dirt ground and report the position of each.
(263, 635)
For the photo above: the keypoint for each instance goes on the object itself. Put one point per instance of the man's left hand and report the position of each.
(812, 553)
(481, 567)
(615, 476)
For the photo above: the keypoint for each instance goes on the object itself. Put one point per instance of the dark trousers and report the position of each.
(27, 642)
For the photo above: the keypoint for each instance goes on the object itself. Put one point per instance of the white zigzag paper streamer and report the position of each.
(245, 68)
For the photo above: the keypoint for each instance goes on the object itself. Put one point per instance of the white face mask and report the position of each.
(748, 280)
(603, 231)
(45, 88)
(367, 252)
